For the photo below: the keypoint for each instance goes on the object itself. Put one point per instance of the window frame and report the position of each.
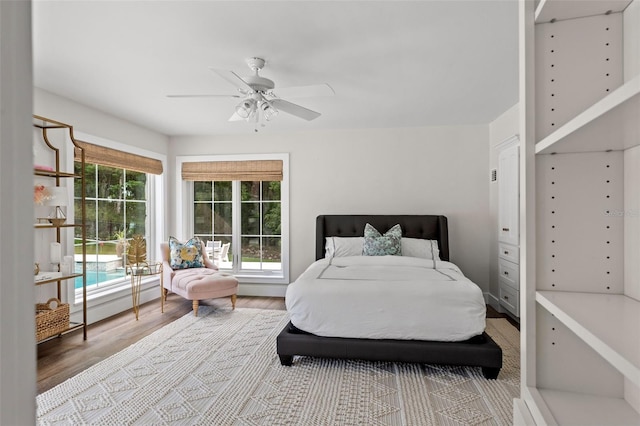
(154, 223)
(185, 211)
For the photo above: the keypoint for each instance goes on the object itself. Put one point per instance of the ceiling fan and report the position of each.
(259, 99)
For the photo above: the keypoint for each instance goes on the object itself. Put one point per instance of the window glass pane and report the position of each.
(202, 223)
(250, 191)
(250, 215)
(271, 251)
(222, 218)
(226, 259)
(271, 191)
(251, 253)
(202, 191)
(222, 191)
(110, 182)
(89, 180)
(271, 219)
(136, 218)
(113, 210)
(136, 185)
(90, 224)
(110, 219)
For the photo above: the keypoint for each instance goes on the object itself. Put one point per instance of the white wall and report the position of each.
(502, 128)
(435, 170)
(105, 127)
(17, 322)
(94, 122)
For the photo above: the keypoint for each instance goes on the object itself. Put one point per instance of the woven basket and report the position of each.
(51, 321)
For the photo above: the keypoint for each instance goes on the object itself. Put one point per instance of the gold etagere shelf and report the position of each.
(48, 125)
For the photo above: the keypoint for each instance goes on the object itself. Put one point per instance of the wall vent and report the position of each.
(494, 175)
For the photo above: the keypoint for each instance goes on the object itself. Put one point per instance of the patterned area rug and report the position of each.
(221, 368)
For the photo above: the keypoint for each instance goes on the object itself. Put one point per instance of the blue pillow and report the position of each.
(388, 244)
(187, 255)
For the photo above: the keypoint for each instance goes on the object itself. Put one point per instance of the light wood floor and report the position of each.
(62, 358)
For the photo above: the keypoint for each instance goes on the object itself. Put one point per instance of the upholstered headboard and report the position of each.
(428, 227)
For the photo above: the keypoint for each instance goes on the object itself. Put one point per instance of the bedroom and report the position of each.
(422, 165)
(318, 174)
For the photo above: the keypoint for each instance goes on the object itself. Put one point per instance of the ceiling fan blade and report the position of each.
(305, 91)
(236, 117)
(204, 96)
(233, 78)
(294, 109)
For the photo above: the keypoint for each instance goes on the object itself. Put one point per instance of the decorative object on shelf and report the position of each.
(55, 253)
(67, 267)
(57, 198)
(137, 252)
(40, 194)
(51, 320)
(36, 271)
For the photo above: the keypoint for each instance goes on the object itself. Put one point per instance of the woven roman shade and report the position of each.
(96, 154)
(254, 170)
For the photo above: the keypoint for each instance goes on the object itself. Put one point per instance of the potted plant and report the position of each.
(121, 242)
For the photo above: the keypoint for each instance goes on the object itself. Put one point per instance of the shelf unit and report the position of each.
(57, 176)
(580, 130)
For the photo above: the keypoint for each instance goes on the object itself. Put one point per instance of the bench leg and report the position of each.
(233, 301)
(195, 308)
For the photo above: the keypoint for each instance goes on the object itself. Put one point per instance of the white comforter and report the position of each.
(386, 297)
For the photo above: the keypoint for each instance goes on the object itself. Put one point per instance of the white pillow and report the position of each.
(352, 246)
(343, 246)
(417, 247)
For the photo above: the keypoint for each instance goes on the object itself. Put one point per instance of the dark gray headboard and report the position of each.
(429, 227)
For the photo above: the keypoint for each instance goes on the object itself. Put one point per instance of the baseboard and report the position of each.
(267, 290)
(494, 302)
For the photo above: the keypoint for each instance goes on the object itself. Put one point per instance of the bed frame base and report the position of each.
(487, 354)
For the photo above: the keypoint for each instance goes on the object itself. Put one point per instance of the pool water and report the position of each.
(94, 277)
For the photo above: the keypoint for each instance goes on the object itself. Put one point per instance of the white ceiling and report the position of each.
(391, 63)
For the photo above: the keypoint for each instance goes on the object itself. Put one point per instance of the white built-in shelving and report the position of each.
(582, 326)
(613, 123)
(591, 316)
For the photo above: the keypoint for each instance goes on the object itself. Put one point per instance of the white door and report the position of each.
(508, 203)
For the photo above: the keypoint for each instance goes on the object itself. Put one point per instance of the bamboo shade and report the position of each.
(255, 170)
(110, 157)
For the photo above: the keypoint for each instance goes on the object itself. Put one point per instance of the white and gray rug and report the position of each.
(221, 368)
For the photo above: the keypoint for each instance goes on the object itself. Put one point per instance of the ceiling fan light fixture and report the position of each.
(246, 108)
(268, 111)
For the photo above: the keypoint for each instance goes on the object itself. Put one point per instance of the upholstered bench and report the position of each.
(197, 283)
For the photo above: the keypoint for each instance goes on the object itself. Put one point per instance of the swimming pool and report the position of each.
(94, 277)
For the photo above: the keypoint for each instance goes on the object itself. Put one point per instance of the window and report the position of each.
(121, 190)
(116, 209)
(248, 217)
(260, 237)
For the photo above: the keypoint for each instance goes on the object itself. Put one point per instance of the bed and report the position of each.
(342, 339)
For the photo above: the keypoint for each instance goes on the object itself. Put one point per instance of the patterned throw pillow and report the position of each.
(187, 255)
(382, 245)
